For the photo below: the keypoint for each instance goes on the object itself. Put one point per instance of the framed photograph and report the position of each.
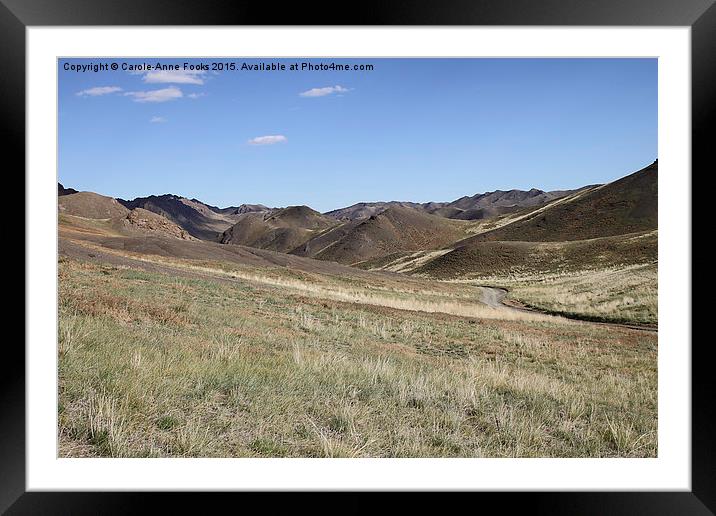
(425, 249)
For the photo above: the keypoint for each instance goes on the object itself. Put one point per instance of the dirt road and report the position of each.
(495, 297)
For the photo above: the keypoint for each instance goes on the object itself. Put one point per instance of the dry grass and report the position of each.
(153, 365)
(620, 294)
(458, 302)
(482, 226)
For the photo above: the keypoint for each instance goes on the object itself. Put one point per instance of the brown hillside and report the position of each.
(488, 212)
(363, 210)
(325, 239)
(478, 206)
(627, 205)
(281, 230)
(395, 229)
(61, 190)
(145, 221)
(507, 258)
(197, 218)
(510, 198)
(299, 217)
(234, 210)
(91, 206)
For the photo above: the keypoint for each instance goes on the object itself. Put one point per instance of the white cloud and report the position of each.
(175, 76)
(162, 95)
(268, 140)
(99, 90)
(322, 92)
(157, 119)
(196, 95)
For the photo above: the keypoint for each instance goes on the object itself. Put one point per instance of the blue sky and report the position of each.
(410, 129)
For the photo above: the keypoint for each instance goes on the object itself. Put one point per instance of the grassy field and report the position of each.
(611, 279)
(272, 363)
(624, 294)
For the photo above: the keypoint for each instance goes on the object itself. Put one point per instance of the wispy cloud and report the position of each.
(157, 120)
(196, 95)
(162, 95)
(268, 140)
(175, 76)
(99, 90)
(322, 92)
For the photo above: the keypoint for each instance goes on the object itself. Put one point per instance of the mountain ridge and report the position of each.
(474, 207)
(372, 232)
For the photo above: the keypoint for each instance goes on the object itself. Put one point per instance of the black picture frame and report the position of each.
(700, 15)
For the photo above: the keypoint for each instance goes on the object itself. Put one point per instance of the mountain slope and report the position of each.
(513, 258)
(488, 212)
(627, 205)
(236, 210)
(279, 230)
(393, 230)
(363, 210)
(90, 206)
(61, 190)
(510, 198)
(140, 220)
(478, 206)
(197, 218)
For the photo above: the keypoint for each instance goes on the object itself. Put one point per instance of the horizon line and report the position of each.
(357, 202)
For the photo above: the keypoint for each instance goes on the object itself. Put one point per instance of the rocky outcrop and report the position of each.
(143, 220)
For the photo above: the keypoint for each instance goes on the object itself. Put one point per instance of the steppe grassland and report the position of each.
(394, 292)
(620, 293)
(152, 365)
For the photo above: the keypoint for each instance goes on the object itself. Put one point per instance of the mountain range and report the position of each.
(428, 237)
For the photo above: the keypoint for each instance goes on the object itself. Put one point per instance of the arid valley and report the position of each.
(519, 323)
